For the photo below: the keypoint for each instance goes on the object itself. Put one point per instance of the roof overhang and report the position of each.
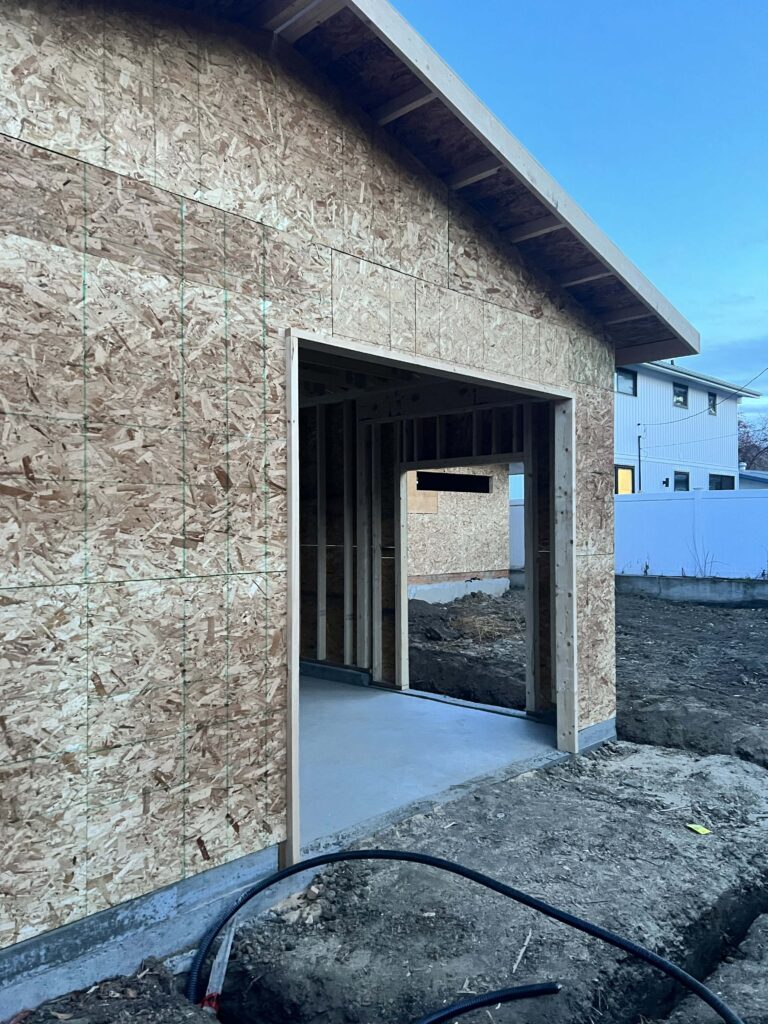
(374, 56)
(713, 383)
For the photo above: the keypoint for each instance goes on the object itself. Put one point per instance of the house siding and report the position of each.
(172, 198)
(671, 438)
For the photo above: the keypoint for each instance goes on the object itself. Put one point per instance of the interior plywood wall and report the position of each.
(459, 534)
(170, 197)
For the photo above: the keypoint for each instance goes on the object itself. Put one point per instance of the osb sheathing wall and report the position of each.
(171, 197)
(467, 533)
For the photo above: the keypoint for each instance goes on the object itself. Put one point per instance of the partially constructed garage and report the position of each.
(261, 260)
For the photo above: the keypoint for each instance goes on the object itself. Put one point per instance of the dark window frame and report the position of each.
(681, 473)
(720, 477)
(616, 469)
(712, 403)
(627, 375)
(680, 391)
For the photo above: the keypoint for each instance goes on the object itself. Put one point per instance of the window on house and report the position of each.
(721, 482)
(712, 403)
(680, 395)
(682, 481)
(624, 479)
(626, 382)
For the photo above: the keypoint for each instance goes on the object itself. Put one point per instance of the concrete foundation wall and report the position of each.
(733, 593)
(171, 198)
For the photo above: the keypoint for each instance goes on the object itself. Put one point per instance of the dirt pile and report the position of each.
(472, 648)
(151, 996)
(604, 837)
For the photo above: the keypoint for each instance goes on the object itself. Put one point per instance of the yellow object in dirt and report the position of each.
(700, 830)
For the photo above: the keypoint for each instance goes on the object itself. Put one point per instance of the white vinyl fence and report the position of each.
(694, 533)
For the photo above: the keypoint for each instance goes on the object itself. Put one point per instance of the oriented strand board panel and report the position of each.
(466, 533)
(171, 196)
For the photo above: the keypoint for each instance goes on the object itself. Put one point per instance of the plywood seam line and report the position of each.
(183, 410)
(228, 541)
(86, 560)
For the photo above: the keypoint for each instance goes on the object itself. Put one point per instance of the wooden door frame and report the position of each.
(564, 606)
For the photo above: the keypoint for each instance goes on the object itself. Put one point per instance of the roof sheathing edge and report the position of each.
(395, 31)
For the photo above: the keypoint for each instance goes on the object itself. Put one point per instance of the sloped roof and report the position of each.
(684, 374)
(370, 52)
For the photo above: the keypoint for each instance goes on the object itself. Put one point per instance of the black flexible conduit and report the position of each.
(502, 995)
(193, 987)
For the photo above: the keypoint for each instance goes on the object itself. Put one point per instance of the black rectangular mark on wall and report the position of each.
(462, 483)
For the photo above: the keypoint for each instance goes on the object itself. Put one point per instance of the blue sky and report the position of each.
(653, 115)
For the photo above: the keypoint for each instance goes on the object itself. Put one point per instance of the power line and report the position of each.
(696, 440)
(693, 415)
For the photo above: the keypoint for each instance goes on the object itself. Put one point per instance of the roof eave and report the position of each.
(424, 62)
(713, 382)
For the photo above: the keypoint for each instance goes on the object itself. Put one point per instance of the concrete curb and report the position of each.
(698, 590)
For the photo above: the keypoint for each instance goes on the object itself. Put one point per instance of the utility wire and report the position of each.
(696, 440)
(693, 415)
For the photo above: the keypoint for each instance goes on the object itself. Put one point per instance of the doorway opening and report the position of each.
(362, 426)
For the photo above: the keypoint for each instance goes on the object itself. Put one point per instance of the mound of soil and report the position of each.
(472, 648)
(151, 996)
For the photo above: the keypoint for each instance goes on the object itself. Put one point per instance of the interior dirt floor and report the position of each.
(688, 676)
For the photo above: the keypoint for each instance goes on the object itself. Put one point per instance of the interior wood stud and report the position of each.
(531, 571)
(363, 546)
(291, 847)
(440, 448)
(349, 533)
(322, 551)
(401, 571)
(376, 594)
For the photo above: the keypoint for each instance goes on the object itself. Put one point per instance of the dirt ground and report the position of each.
(688, 676)
(740, 980)
(472, 648)
(604, 837)
(151, 996)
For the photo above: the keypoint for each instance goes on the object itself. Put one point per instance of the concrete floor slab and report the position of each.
(366, 752)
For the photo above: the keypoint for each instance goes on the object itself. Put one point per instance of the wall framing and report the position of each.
(553, 678)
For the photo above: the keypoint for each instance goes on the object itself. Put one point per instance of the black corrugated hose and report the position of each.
(193, 987)
(501, 995)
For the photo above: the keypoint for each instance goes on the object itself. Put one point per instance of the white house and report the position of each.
(675, 430)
